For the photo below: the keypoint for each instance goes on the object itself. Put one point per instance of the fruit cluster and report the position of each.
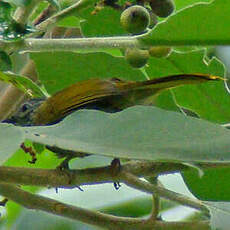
(138, 58)
(136, 19)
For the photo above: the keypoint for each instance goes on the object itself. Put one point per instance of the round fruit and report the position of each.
(162, 8)
(153, 19)
(137, 58)
(159, 51)
(135, 19)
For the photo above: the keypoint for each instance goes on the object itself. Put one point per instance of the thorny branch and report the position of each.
(129, 174)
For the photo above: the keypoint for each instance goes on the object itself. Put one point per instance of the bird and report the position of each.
(108, 95)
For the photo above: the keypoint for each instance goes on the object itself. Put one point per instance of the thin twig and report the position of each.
(156, 207)
(22, 13)
(73, 9)
(144, 186)
(156, 199)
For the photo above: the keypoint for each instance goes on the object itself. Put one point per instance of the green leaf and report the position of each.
(45, 159)
(136, 207)
(61, 69)
(23, 83)
(19, 2)
(139, 132)
(105, 23)
(11, 138)
(5, 62)
(210, 101)
(212, 186)
(71, 21)
(39, 148)
(166, 101)
(182, 4)
(202, 23)
(5, 12)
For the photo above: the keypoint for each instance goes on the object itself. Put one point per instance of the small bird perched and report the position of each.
(109, 95)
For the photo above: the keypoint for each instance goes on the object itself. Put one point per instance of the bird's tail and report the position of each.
(174, 81)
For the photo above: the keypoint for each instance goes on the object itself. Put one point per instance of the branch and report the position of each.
(71, 178)
(76, 177)
(73, 9)
(129, 174)
(156, 203)
(37, 202)
(71, 44)
(93, 44)
(141, 185)
(22, 13)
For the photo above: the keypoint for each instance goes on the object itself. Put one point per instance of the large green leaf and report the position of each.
(139, 132)
(220, 214)
(108, 17)
(213, 185)
(211, 101)
(10, 139)
(59, 70)
(200, 24)
(182, 4)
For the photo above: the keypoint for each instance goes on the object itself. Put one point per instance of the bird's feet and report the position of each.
(115, 167)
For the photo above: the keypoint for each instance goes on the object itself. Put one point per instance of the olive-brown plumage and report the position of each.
(110, 95)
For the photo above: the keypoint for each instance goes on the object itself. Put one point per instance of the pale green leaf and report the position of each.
(220, 214)
(10, 139)
(139, 132)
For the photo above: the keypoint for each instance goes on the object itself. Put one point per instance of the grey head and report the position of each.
(24, 115)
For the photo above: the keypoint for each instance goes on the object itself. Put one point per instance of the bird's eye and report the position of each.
(25, 107)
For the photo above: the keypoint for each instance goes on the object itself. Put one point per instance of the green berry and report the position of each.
(136, 58)
(153, 19)
(159, 51)
(162, 8)
(135, 19)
